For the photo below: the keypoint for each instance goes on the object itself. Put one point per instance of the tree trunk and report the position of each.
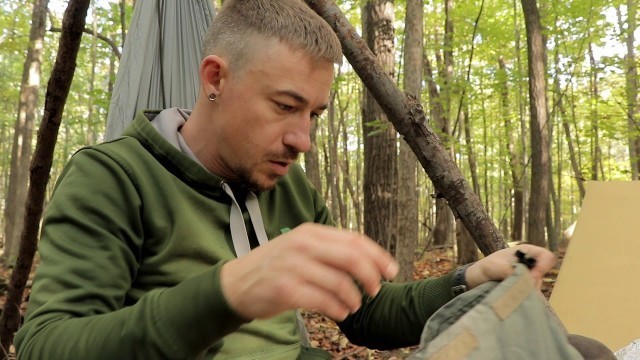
(633, 103)
(345, 166)
(577, 172)
(473, 163)
(333, 178)
(409, 119)
(538, 125)
(556, 197)
(443, 229)
(380, 145)
(514, 158)
(56, 96)
(92, 136)
(408, 164)
(23, 132)
(520, 199)
(123, 21)
(553, 209)
(437, 113)
(312, 159)
(596, 152)
(466, 253)
(467, 249)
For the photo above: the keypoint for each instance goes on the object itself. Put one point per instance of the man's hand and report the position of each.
(499, 265)
(313, 267)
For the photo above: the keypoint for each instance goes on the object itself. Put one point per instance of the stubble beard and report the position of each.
(247, 178)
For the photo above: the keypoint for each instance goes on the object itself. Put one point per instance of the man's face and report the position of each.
(266, 109)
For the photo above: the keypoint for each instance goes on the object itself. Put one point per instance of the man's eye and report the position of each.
(285, 107)
(315, 116)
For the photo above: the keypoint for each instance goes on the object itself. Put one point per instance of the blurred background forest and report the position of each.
(467, 63)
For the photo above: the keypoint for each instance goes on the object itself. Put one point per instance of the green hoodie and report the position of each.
(131, 248)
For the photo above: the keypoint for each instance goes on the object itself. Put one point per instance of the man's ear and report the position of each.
(213, 73)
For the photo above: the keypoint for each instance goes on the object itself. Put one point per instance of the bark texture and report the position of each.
(443, 228)
(407, 166)
(536, 55)
(380, 143)
(312, 159)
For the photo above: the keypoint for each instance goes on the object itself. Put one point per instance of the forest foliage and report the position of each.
(587, 90)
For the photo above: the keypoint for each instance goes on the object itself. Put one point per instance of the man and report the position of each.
(195, 235)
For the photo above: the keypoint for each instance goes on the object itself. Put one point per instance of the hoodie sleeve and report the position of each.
(396, 316)
(90, 248)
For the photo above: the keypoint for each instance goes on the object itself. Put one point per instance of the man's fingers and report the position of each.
(499, 265)
(312, 266)
(359, 256)
(333, 282)
(545, 260)
(325, 302)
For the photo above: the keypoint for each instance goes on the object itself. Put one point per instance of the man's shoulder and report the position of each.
(121, 148)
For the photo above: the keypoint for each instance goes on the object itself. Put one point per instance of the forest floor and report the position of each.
(325, 334)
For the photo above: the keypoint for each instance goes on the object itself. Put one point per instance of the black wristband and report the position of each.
(459, 282)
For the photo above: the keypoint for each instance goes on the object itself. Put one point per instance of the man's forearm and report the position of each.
(396, 316)
(177, 322)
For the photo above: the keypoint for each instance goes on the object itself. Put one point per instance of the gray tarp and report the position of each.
(160, 59)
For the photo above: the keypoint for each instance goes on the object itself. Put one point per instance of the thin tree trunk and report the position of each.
(557, 202)
(4, 168)
(123, 21)
(514, 158)
(409, 119)
(345, 165)
(520, 200)
(577, 172)
(408, 164)
(92, 137)
(538, 125)
(333, 178)
(485, 156)
(473, 163)
(443, 229)
(23, 133)
(57, 91)
(312, 159)
(467, 249)
(112, 76)
(553, 208)
(633, 102)
(380, 145)
(596, 151)
(437, 113)
(360, 168)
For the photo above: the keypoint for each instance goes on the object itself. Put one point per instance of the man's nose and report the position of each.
(298, 138)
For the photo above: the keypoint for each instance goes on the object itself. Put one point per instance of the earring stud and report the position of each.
(213, 97)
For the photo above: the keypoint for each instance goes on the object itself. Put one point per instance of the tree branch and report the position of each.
(109, 42)
(409, 119)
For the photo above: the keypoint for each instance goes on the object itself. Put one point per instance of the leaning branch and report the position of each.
(407, 116)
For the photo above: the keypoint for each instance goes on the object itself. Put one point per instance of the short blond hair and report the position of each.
(241, 25)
